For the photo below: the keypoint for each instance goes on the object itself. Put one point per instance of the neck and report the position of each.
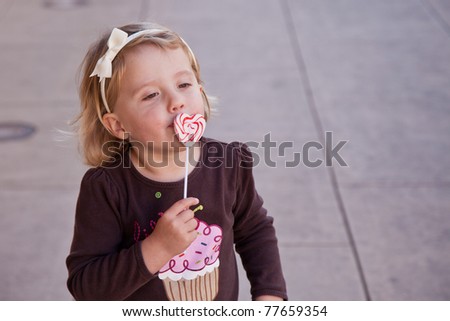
(165, 165)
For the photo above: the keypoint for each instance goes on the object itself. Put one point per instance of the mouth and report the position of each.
(172, 123)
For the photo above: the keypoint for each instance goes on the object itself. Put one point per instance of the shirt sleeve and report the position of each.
(100, 268)
(254, 233)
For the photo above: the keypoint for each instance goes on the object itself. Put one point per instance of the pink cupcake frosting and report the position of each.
(200, 257)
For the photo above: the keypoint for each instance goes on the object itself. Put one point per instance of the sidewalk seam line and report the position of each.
(306, 85)
(436, 16)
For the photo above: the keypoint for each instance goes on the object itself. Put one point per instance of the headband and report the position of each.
(117, 40)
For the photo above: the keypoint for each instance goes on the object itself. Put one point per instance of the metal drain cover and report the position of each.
(13, 131)
(64, 4)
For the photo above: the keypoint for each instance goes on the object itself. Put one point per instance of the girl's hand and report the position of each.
(173, 234)
(175, 230)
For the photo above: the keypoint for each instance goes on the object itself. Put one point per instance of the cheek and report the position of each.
(134, 124)
(199, 103)
(153, 121)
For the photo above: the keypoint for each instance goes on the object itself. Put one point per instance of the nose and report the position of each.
(176, 102)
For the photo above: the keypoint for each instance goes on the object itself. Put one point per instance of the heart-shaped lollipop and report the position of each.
(189, 128)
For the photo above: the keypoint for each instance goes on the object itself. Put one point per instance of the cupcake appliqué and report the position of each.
(194, 274)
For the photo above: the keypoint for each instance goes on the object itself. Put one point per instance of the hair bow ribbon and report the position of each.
(117, 40)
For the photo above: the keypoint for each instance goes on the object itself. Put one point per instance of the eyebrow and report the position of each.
(183, 72)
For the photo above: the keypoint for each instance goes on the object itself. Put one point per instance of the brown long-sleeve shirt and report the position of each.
(118, 207)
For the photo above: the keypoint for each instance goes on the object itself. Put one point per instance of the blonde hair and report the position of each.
(97, 144)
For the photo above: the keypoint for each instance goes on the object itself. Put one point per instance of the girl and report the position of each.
(135, 238)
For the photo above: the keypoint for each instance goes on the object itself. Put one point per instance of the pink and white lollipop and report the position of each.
(189, 129)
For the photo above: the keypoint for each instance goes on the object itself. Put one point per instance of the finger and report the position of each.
(193, 234)
(181, 205)
(185, 216)
(191, 225)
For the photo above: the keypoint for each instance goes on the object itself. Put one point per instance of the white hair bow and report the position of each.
(117, 40)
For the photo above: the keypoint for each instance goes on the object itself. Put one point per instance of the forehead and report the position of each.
(152, 58)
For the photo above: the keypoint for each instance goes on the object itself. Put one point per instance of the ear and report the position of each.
(114, 125)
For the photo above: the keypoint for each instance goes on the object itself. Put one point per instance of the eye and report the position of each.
(151, 96)
(185, 85)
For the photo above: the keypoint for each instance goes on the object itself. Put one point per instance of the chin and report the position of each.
(177, 145)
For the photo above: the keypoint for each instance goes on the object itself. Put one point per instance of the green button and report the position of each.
(158, 194)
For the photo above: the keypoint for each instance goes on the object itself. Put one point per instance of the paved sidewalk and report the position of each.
(375, 74)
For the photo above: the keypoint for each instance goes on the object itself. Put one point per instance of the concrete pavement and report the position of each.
(375, 74)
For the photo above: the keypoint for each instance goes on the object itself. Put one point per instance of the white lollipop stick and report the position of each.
(189, 130)
(186, 172)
